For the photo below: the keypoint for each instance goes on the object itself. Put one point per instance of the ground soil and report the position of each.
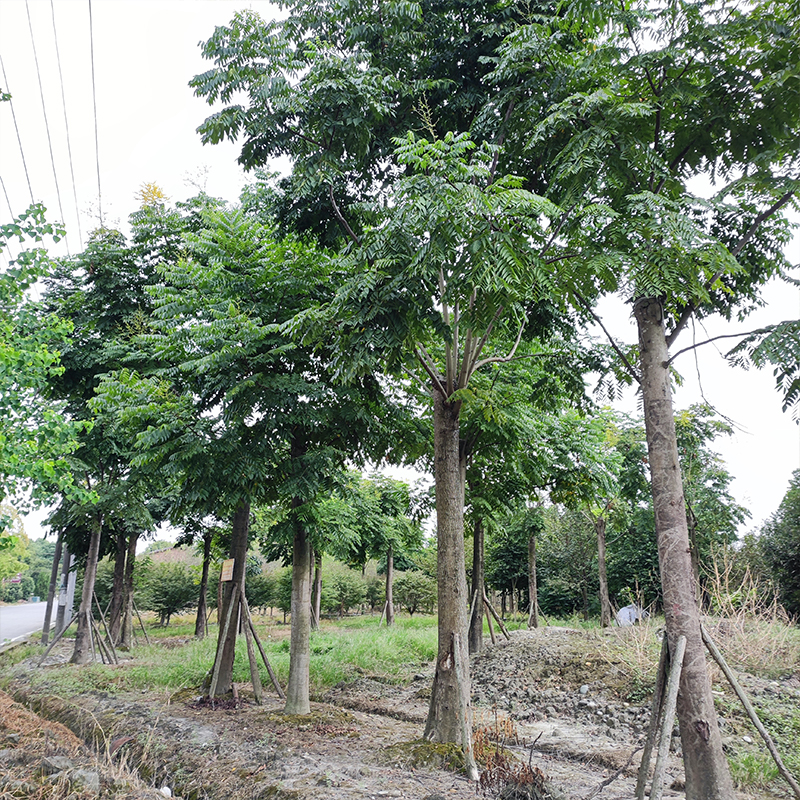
(553, 699)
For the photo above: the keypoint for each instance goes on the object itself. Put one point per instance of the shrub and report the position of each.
(415, 591)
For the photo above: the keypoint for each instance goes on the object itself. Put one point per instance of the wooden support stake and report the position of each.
(383, 611)
(676, 665)
(751, 712)
(105, 628)
(473, 608)
(497, 619)
(251, 653)
(655, 713)
(264, 656)
(56, 639)
(139, 617)
(234, 601)
(489, 620)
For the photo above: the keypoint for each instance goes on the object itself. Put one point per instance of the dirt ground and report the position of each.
(547, 697)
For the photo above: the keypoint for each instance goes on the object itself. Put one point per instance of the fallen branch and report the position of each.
(620, 771)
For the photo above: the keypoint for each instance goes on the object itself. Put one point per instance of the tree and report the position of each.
(780, 544)
(659, 98)
(35, 438)
(170, 589)
(415, 591)
(238, 414)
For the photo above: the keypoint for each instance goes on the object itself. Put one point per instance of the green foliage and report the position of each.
(35, 438)
(261, 590)
(169, 589)
(342, 591)
(415, 591)
(780, 545)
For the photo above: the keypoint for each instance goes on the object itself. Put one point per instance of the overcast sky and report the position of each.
(145, 52)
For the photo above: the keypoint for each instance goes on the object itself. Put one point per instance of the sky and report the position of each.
(142, 54)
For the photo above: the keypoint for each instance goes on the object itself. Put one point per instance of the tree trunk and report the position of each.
(476, 622)
(82, 654)
(202, 601)
(118, 587)
(297, 692)
(64, 612)
(241, 528)
(707, 773)
(316, 591)
(450, 695)
(51, 590)
(126, 630)
(533, 588)
(605, 602)
(389, 587)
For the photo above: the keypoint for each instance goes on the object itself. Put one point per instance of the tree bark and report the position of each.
(533, 587)
(707, 773)
(476, 621)
(316, 591)
(118, 587)
(202, 600)
(82, 654)
(51, 590)
(605, 602)
(297, 691)
(126, 630)
(389, 587)
(227, 643)
(450, 695)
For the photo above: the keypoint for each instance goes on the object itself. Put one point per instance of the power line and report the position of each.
(66, 125)
(16, 127)
(8, 202)
(44, 112)
(94, 101)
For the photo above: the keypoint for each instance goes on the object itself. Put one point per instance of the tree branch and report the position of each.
(634, 374)
(341, 218)
(708, 341)
(427, 365)
(751, 231)
(502, 359)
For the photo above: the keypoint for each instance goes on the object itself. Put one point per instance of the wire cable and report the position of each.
(44, 112)
(94, 100)
(8, 202)
(16, 127)
(66, 125)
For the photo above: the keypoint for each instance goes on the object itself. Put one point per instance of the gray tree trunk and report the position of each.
(478, 580)
(241, 529)
(707, 773)
(533, 588)
(126, 629)
(450, 711)
(297, 691)
(202, 600)
(118, 587)
(389, 587)
(82, 654)
(51, 590)
(605, 602)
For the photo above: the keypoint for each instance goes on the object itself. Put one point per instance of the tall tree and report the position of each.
(235, 411)
(664, 95)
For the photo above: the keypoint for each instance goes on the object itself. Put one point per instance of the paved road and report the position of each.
(17, 620)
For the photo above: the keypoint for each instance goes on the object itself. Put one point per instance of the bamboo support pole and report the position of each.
(751, 712)
(676, 665)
